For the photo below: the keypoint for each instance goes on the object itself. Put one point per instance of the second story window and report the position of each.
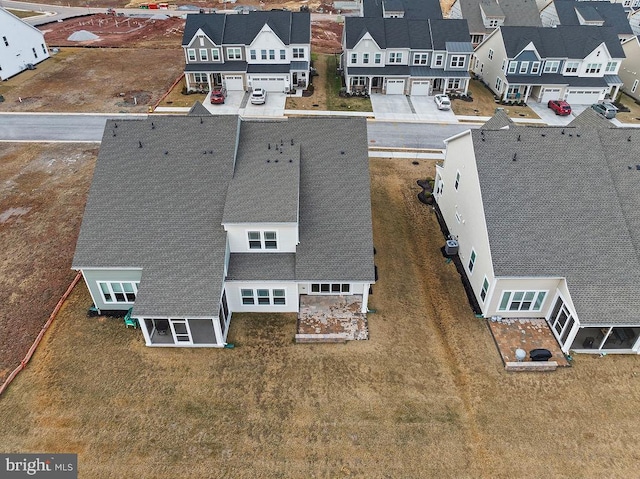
(594, 67)
(420, 58)
(377, 58)
(365, 58)
(204, 55)
(283, 54)
(35, 54)
(513, 67)
(551, 66)
(490, 54)
(439, 60)
(354, 58)
(215, 54)
(234, 53)
(272, 54)
(571, 67)
(263, 54)
(535, 67)
(6, 42)
(262, 239)
(457, 61)
(191, 54)
(524, 66)
(395, 57)
(252, 55)
(611, 67)
(298, 53)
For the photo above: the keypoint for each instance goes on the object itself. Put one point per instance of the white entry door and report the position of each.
(395, 87)
(181, 331)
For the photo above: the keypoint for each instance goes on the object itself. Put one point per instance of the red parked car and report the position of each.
(561, 107)
(218, 94)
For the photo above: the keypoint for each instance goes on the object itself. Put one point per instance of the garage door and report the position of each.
(420, 87)
(583, 97)
(234, 83)
(395, 87)
(550, 94)
(268, 83)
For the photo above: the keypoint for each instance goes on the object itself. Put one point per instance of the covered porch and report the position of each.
(204, 332)
(331, 318)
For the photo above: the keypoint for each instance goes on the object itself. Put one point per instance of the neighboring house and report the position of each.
(484, 16)
(21, 45)
(598, 14)
(634, 21)
(411, 9)
(630, 68)
(539, 238)
(578, 64)
(270, 50)
(408, 57)
(190, 219)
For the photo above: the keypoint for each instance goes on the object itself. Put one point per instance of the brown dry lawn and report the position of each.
(632, 116)
(426, 396)
(94, 80)
(483, 104)
(42, 197)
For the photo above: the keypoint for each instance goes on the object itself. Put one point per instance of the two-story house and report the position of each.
(269, 50)
(578, 64)
(593, 13)
(403, 56)
(411, 9)
(21, 45)
(537, 238)
(190, 219)
(484, 16)
(630, 68)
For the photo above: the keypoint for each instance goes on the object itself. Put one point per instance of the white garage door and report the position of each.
(550, 94)
(234, 83)
(583, 97)
(395, 87)
(420, 87)
(268, 83)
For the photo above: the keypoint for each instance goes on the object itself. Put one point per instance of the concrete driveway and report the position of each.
(230, 106)
(273, 107)
(404, 108)
(547, 115)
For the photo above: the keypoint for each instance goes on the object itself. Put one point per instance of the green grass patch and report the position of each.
(334, 83)
(24, 13)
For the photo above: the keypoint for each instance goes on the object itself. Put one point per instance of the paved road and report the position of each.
(89, 127)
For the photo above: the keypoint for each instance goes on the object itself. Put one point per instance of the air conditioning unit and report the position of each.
(451, 247)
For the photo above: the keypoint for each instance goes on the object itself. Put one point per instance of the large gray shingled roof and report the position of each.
(159, 192)
(516, 12)
(566, 207)
(611, 14)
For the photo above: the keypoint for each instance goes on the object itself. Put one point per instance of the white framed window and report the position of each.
(472, 260)
(498, 84)
(490, 54)
(594, 67)
(454, 83)
(278, 296)
(535, 67)
(253, 55)
(493, 23)
(118, 291)
(262, 239)
(513, 67)
(215, 54)
(365, 58)
(377, 58)
(395, 57)
(551, 66)
(200, 77)
(485, 288)
(524, 67)
(504, 65)
(204, 55)
(439, 60)
(191, 54)
(611, 67)
(263, 54)
(457, 61)
(522, 300)
(247, 296)
(234, 53)
(283, 54)
(635, 86)
(330, 288)
(358, 81)
(354, 58)
(272, 54)
(457, 182)
(298, 53)
(477, 38)
(420, 58)
(571, 67)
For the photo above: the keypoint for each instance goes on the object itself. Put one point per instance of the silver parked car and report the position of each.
(606, 109)
(442, 102)
(258, 96)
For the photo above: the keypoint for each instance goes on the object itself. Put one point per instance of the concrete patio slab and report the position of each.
(332, 315)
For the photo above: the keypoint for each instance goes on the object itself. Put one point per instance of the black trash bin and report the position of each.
(540, 355)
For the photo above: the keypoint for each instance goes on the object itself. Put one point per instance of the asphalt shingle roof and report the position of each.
(612, 14)
(236, 29)
(562, 41)
(566, 207)
(416, 9)
(516, 12)
(262, 267)
(159, 191)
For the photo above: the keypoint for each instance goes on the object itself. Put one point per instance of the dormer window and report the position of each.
(262, 240)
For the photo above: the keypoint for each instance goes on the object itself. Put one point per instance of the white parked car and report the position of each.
(443, 102)
(258, 96)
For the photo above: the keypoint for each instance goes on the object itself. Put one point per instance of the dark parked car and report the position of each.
(218, 95)
(606, 109)
(561, 107)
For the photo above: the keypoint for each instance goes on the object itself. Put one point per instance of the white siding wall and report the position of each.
(550, 285)
(599, 55)
(366, 45)
(549, 16)
(466, 201)
(91, 276)
(287, 234)
(630, 70)
(355, 288)
(492, 68)
(23, 39)
(267, 40)
(456, 10)
(234, 297)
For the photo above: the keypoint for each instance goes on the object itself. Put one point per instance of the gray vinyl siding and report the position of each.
(93, 275)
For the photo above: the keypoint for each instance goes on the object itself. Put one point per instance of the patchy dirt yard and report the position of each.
(127, 80)
(326, 36)
(42, 197)
(426, 396)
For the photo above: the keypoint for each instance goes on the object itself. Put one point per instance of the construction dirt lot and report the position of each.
(426, 396)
